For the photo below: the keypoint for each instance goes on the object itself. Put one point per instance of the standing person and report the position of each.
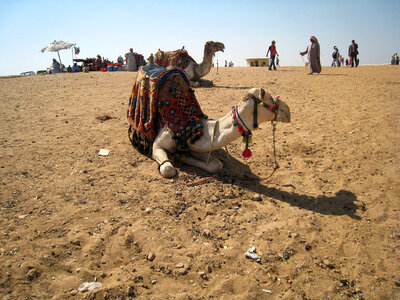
(313, 51)
(353, 52)
(335, 56)
(131, 61)
(273, 53)
(98, 63)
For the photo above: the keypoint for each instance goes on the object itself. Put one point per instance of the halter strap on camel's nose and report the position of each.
(272, 108)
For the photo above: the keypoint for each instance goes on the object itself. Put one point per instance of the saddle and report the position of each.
(162, 97)
(179, 58)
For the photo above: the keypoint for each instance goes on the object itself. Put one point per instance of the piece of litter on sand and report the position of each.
(251, 253)
(104, 152)
(88, 286)
(267, 291)
(104, 118)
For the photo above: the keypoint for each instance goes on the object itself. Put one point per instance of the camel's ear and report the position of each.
(262, 94)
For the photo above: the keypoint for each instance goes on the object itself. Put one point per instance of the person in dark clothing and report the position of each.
(98, 63)
(353, 52)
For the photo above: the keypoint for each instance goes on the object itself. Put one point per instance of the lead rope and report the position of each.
(216, 75)
(276, 167)
(305, 65)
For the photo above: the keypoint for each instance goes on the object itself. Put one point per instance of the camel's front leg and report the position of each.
(162, 143)
(167, 170)
(199, 160)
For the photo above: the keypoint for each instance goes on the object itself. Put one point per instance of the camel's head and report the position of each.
(272, 110)
(212, 47)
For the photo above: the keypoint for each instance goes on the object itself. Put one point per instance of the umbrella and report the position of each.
(56, 46)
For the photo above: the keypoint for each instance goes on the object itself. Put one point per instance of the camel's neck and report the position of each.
(206, 64)
(227, 132)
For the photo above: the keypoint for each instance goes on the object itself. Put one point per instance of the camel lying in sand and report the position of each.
(166, 118)
(181, 59)
(219, 133)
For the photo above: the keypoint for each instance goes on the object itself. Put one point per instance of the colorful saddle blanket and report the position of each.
(179, 58)
(163, 97)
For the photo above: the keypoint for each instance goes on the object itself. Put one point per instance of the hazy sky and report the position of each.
(110, 28)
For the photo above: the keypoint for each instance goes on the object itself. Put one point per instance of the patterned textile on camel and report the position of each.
(163, 97)
(179, 58)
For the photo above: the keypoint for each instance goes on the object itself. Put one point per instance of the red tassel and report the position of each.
(247, 153)
(240, 129)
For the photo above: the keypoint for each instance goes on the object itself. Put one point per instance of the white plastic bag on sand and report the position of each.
(88, 286)
(104, 152)
(251, 253)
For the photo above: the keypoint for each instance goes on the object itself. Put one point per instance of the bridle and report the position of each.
(246, 132)
(272, 107)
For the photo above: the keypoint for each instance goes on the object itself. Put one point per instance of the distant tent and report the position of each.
(56, 46)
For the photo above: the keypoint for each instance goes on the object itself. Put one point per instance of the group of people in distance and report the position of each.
(313, 51)
(132, 61)
(351, 61)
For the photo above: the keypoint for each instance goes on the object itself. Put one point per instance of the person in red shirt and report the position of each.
(272, 51)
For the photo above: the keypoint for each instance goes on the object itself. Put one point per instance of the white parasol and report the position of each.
(56, 46)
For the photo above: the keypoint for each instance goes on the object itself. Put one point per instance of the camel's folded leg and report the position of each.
(194, 83)
(198, 159)
(162, 142)
(166, 168)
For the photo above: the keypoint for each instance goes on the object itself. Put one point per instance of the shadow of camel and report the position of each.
(342, 203)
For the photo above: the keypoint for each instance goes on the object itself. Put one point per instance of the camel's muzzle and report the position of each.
(283, 114)
(279, 108)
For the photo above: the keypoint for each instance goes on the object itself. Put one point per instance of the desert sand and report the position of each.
(325, 226)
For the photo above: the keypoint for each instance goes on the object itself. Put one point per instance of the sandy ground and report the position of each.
(326, 225)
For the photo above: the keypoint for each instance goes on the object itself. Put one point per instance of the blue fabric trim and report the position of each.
(153, 71)
(237, 113)
(173, 71)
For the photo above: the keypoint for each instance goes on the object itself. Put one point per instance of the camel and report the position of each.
(258, 106)
(180, 58)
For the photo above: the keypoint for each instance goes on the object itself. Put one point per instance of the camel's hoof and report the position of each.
(195, 83)
(167, 170)
(214, 166)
